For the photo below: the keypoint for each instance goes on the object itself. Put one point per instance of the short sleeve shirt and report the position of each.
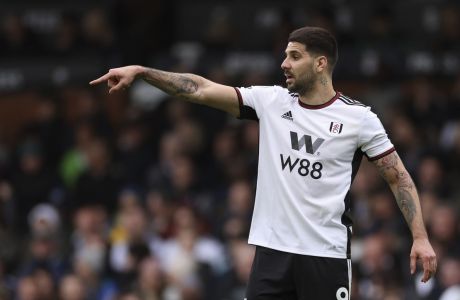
(308, 156)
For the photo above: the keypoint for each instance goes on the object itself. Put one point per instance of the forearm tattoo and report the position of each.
(175, 84)
(391, 171)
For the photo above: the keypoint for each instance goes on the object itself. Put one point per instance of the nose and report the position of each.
(285, 64)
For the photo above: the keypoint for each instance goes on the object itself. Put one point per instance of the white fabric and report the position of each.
(302, 214)
(452, 293)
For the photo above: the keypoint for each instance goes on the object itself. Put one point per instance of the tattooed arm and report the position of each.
(190, 87)
(395, 174)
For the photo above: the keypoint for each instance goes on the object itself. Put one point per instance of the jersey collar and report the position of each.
(326, 104)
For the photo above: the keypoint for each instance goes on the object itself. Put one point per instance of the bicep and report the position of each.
(220, 96)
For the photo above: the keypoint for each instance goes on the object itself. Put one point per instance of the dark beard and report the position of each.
(303, 87)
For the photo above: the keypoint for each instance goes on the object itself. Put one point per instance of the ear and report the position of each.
(321, 63)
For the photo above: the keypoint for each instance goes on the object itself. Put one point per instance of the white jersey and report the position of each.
(308, 156)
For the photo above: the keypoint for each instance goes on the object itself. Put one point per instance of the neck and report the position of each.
(321, 92)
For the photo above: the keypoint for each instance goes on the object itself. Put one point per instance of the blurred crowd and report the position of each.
(143, 196)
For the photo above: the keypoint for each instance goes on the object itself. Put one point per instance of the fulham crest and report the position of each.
(336, 128)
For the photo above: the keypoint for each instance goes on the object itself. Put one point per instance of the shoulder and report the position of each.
(352, 109)
(351, 102)
(351, 106)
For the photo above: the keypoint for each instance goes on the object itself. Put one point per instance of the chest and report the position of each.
(322, 134)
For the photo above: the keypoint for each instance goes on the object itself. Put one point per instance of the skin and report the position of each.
(190, 87)
(310, 76)
(307, 74)
(392, 169)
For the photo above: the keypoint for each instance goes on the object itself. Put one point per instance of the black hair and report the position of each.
(317, 41)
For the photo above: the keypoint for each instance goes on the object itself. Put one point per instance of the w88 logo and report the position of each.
(304, 166)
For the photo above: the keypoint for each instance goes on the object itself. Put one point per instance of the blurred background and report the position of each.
(142, 196)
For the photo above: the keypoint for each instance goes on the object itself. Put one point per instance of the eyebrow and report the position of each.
(292, 51)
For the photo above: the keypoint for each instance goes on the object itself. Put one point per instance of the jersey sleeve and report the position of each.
(373, 139)
(253, 100)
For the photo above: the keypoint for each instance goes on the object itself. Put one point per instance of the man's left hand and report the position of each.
(421, 249)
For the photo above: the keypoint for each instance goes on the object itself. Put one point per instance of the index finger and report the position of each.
(100, 79)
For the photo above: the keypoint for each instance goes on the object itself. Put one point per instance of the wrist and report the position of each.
(140, 71)
(420, 236)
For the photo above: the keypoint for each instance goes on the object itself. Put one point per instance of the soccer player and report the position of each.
(312, 139)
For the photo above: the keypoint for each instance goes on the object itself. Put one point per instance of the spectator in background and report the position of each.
(90, 224)
(74, 161)
(192, 260)
(449, 278)
(169, 149)
(67, 36)
(72, 288)
(133, 152)
(235, 281)
(431, 176)
(44, 254)
(135, 20)
(128, 295)
(406, 140)
(449, 31)
(234, 151)
(384, 215)
(97, 31)
(32, 181)
(160, 210)
(98, 184)
(28, 289)
(7, 207)
(250, 132)
(224, 153)
(424, 106)
(236, 215)
(131, 242)
(89, 252)
(444, 228)
(48, 127)
(150, 283)
(16, 39)
(378, 269)
(45, 283)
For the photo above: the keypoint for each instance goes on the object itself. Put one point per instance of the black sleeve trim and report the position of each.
(382, 155)
(246, 112)
(240, 98)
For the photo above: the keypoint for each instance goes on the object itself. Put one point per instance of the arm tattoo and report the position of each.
(391, 172)
(406, 204)
(175, 84)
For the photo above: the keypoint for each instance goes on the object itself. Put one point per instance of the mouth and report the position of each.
(289, 78)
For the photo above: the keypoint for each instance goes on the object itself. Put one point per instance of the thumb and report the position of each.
(121, 85)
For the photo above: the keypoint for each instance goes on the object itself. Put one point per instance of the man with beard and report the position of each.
(312, 139)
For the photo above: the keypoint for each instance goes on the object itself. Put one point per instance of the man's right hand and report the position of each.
(189, 87)
(119, 79)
